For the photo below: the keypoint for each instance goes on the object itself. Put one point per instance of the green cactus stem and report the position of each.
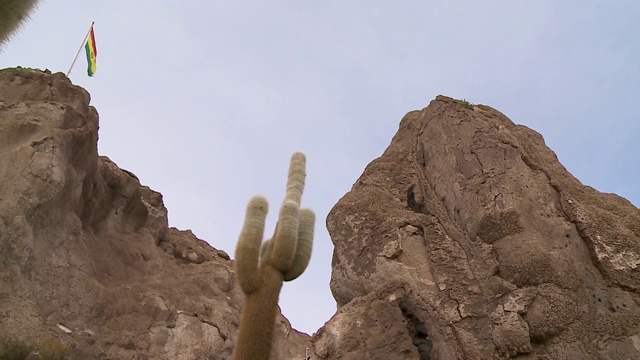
(261, 267)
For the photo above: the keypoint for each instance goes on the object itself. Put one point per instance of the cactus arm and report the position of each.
(284, 249)
(248, 248)
(286, 235)
(12, 14)
(296, 178)
(305, 245)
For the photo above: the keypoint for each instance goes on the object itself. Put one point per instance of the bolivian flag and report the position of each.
(92, 53)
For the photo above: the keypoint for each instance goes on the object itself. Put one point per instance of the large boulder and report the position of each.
(467, 239)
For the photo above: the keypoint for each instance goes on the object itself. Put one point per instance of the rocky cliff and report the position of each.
(86, 255)
(467, 239)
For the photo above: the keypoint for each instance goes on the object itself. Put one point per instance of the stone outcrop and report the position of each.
(467, 239)
(86, 254)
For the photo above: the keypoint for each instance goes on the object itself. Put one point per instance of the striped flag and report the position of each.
(92, 53)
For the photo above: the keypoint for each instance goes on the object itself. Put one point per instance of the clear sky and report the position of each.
(205, 103)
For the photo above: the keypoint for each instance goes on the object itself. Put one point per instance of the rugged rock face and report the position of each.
(467, 239)
(86, 255)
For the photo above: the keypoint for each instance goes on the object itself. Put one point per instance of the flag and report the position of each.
(92, 53)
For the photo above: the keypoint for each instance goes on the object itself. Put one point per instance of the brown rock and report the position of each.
(369, 327)
(469, 227)
(86, 255)
(466, 239)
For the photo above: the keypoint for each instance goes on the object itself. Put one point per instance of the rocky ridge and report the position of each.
(86, 254)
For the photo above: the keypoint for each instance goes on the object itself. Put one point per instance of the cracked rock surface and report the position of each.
(86, 254)
(474, 242)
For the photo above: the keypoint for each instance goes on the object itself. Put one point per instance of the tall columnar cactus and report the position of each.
(12, 14)
(262, 267)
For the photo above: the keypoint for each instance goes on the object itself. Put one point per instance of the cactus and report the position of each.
(261, 267)
(12, 14)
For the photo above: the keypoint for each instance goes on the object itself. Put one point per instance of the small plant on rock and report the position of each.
(14, 349)
(53, 349)
(466, 104)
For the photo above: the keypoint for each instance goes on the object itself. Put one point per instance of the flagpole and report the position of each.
(80, 49)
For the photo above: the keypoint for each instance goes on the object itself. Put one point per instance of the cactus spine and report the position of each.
(12, 14)
(261, 267)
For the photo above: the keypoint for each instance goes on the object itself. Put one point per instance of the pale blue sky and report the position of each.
(205, 104)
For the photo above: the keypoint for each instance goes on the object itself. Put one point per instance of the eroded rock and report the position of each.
(498, 251)
(84, 244)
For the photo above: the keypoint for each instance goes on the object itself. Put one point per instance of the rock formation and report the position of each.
(467, 239)
(86, 255)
